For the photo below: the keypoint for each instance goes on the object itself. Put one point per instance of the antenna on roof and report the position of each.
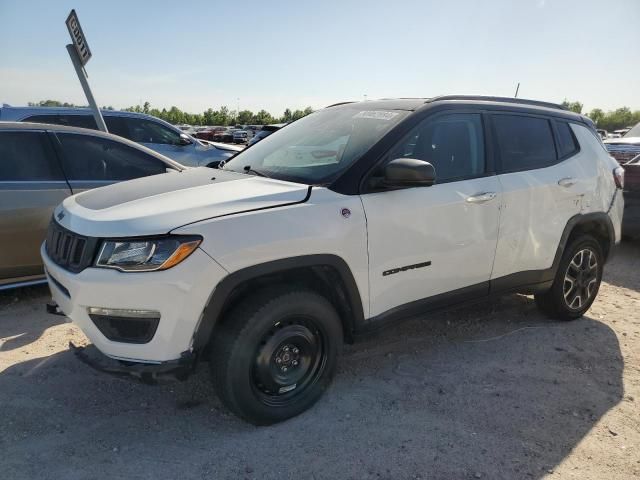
(517, 88)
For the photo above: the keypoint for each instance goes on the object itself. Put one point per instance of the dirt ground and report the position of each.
(489, 391)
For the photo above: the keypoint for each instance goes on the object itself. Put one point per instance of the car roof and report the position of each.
(413, 104)
(86, 131)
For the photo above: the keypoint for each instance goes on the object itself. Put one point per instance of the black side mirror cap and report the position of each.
(408, 172)
(184, 139)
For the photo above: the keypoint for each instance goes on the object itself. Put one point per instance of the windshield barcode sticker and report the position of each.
(376, 114)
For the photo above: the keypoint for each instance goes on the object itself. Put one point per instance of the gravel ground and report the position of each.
(489, 391)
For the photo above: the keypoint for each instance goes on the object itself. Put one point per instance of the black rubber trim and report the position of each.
(146, 372)
(528, 282)
(426, 305)
(223, 290)
(581, 219)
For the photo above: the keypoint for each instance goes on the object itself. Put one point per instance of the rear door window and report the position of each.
(524, 142)
(27, 156)
(567, 143)
(80, 120)
(146, 131)
(87, 157)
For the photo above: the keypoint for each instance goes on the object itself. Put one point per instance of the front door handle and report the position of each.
(481, 197)
(567, 182)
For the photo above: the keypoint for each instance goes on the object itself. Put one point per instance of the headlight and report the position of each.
(146, 254)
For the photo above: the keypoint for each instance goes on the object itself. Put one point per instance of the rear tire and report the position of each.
(577, 280)
(276, 354)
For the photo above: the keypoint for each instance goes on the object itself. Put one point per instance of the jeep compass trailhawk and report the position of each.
(350, 218)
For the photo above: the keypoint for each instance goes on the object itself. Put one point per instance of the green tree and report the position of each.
(573, 106)
(287, 117)
(244, 117)
(262, 118)
(596, 115)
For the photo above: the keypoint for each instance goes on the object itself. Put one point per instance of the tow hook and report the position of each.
(54, 309)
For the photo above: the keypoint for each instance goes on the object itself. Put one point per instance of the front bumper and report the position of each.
(178, 294)
(146, 372)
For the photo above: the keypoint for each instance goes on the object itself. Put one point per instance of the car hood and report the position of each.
(158, 204)
(623, 141)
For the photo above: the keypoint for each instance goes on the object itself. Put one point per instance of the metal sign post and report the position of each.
(80, 55)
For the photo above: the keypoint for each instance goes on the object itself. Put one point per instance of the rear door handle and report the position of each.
(481, 197)
(567, 182)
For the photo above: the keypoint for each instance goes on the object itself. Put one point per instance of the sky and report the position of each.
(295, 53)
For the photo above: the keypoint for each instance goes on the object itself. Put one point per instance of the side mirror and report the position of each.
(408, 172)
(184, 139)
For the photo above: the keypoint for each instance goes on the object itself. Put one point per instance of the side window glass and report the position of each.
(566, 140)
(148, 131)
(452, 143)
(524, 143)
(26, 156)
(117, 126)
(93, 158)
(82, 121)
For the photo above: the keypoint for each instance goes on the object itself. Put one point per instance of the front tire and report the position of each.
(275, 354)
(577, 280)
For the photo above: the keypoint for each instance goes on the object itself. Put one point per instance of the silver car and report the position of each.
(149, 131)
(41, 165)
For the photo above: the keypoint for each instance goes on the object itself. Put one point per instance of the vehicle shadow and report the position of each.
(487, 391)
(20, 324)
(623, 269)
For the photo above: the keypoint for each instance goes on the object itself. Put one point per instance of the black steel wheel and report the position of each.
(276, 354)
(291, 357)
(577, 280)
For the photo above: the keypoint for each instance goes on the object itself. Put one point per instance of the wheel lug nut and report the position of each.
(295, 362)
(286, 349)
(284, 369)
(295, 350)
(278, 360)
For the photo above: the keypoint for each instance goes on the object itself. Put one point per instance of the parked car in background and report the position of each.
(625, 148)
(631, 219)
(242, 136)
(41, 165)
(603, 133)
(225, 136)
(209, 133)
(149, 131)
(264, 132)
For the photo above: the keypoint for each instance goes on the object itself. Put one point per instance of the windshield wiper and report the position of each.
(248, 170)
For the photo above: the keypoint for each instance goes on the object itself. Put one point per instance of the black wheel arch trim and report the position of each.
(222, 292)
(600, 218)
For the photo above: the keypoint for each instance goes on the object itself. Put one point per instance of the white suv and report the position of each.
(350, 218)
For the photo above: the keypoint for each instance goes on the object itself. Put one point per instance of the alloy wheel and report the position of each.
(580, 279)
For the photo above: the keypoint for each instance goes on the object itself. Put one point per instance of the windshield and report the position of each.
(634, 132)
(317, 148)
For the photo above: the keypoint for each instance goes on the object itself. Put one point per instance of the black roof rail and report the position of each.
(339, 103)
(483, 98)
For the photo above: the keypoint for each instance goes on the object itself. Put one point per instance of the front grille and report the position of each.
(623, 152)
(69, 250)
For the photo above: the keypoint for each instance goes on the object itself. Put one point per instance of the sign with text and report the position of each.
(79, 40)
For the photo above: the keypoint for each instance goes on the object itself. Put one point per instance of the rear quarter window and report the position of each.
(567, 143)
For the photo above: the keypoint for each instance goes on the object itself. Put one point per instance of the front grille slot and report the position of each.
(69, 250)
